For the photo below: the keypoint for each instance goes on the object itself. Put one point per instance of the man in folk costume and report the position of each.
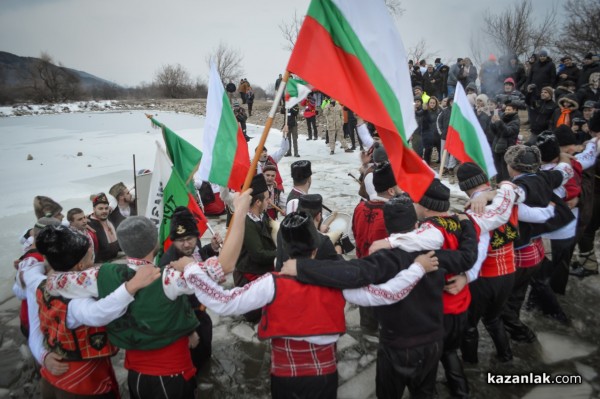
(311, 204)
(42, 207)
(108, 246)
(412, 330)
(275, 194)
(273, 159)
(76, 357)
(493, 284)
(368, 226)
(302, 175)
(125, 204)
(536, 217)
(185, 240)
(303, 339)
(258, 250)
(553, 274)
(79, 222)
(157, 329)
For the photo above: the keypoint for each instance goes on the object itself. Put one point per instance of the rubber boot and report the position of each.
(470, 345)
(496, 330)
(455, 375)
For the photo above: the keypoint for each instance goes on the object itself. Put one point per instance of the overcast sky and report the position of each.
(126, 41)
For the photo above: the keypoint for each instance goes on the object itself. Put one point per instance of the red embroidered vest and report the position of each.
(501, 254)
(449, 227)
(302, 310)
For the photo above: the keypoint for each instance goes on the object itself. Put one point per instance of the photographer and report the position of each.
(581, 130)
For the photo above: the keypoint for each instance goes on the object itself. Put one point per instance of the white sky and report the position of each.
(127, 41)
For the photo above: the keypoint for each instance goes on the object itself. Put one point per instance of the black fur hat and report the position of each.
(437, 197)
(470, 175)
(399, 214)
(301, 170)
(299, 234)
(258, 185)
(383, 178)
(183, 224)
(62, 247)
(548, 146)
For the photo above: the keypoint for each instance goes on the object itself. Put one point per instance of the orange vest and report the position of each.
(302, 310)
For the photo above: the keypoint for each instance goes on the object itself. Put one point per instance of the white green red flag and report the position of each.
(363, 65)
(296, 90)
(167, 192)
(466, 139)
(225, 158)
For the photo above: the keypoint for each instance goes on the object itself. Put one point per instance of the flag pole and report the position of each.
(135, 184)
(263, 139)
(443, 162)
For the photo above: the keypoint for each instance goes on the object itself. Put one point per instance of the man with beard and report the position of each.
(108, 246)
(185, 242)
(126, 205)
(506, 132)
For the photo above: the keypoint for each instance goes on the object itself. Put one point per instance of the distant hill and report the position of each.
(14, 72)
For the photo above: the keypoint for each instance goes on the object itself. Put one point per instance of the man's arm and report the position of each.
(230, 252)
(283, 148)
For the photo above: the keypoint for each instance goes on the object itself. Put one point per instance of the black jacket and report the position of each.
(106, 251)
(507, 127)
(542, 74)
(540, 112)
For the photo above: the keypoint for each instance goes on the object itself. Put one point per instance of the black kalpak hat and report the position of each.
(301, 170)
(399, 214)
(383, 178)
(548, 146)
(311, 201)
(300, 236)
(594, 123)
(259, 184)
(62, 247)
(183, 224)
(437, 197)
(470, 175)
(564, 135)
(99, 199)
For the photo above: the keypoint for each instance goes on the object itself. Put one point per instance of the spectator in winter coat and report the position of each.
(468, 73)
(566, 87)
(417, 136)
(432, 82)
(453, 74)
(511, 95)
(568, 109)
(430, 136)
(443, 71)
(442, 125)
(416, 78)
(589, 66)
(543, 72)
(241, 116)
(591, 90)
(490, 76)
(484, 116)
(250, 100)
(567, 71)
(310, 114)
(541, 109)
(506, 133)
(512, 68)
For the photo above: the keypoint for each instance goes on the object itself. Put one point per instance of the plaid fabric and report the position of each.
(499, 262)
(530, 255)
(292, 358)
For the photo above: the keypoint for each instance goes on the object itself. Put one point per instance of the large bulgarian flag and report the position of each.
(351, 50)
(167, 192)
(296, 90)
(225, 160)
(466, 139)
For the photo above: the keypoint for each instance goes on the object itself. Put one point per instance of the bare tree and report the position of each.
(580, 32)
(394, 7)
(228, 62)
(52, 83)
(290, 30)
(419, 51)
(173, 80)
(515, 30)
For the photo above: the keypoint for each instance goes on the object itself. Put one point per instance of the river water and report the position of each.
(240, 363)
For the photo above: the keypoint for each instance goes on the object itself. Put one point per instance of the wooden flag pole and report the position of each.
(263, 138)
(443, 162)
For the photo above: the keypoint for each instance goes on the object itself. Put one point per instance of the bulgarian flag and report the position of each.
(184, 156)
(225, 160)
(167, 192)
(296, 90)
(351, 50)
(466, 139)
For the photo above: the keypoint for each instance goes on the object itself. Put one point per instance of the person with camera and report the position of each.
(540, 107)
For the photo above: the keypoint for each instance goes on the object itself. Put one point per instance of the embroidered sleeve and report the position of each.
(425, 238)
(390, 292)
(498, 212)
(174, 282)
(236, 301)
(482, 252)
(566, 170)
(587, 158)
(83, 284)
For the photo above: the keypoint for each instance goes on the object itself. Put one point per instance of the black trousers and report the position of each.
(512, 311)
(454, 326)
(309, 387)
(311, 125)
(412, 368)
(586, 242)
(488, 298)
(143, 386)
(501, 167)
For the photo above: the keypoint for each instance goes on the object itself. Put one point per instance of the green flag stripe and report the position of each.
(468, 136)
(342, 34)
(225, 146)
